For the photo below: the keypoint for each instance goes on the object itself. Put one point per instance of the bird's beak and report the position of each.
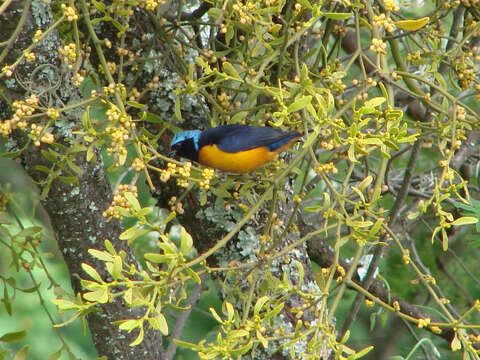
(172, 154)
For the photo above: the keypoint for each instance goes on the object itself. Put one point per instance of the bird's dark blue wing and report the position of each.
(236, 138)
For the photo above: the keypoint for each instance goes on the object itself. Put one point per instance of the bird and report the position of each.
(233, 148)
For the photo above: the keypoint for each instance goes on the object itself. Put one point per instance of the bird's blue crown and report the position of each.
(185, 135)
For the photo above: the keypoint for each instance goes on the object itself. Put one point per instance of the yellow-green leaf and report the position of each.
(259, 304)
(158, 258)
(363, 352)
(100, 295)
(230, 70)
(135, 104)
(412, 25)
(215, 315)
(313, 209)
(92, 272)
(130, 324)
(128, 296)
(159, 323)
(177, 110)
(230, 311)
(337, 16)
(117, 267)
(101, 255)
(22, 353)
(139, 338)
(365, 183)
(132, 233)
(64, 305)
(56, 355)
(455, 344)
(194, 275)
(13, 336)
(186, 241)
(239, 116)
(133, 201)
(375, 102)
(242, 350)
(299, 103)
(465, 220)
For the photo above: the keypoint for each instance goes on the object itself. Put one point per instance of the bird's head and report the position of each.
(185, 144)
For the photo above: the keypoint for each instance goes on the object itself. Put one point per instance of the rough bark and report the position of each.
(75, 211)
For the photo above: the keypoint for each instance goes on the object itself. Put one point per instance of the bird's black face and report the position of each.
(185, 148)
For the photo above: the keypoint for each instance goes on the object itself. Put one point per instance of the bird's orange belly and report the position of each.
(240, 162)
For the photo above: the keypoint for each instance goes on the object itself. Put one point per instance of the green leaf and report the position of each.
(242, 350)
(215, 315)
(177, 110)
(139, 338)
(229, 35)
(92, 272)
(230, 311)
(65, 305)
(239, 116)
(375, 102)
(236, 334)
(276, 310)
(300, 103)
(133, 201)
(13, 336)
(444, 240)
(376, 227)
(121, 28)
(370, 141)
(132, 233)
(135, 104)
(43, 169)
(338, 75)
(68, 179)
(359, 193)
(101, 255)
(456, 343)
(100, 6)
(158, 258)
(194, 275)
(128, 296)
(351, 154)
(186, 241)
(56, 355)
(363, 352)
(215, 12)
(30, 231)
(301, 272)
(22, 353)
(336, 16)
(187, 345)
(75, 168)
(465, 220)
(230, 70)
(99, 295)
(159, 323)
(109, 247)
(117, 267)
(11, 155)
(50, 155)
(313, 208)
(365, 183)
(259, 304)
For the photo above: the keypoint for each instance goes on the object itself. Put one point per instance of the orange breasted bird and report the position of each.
(233, 148)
